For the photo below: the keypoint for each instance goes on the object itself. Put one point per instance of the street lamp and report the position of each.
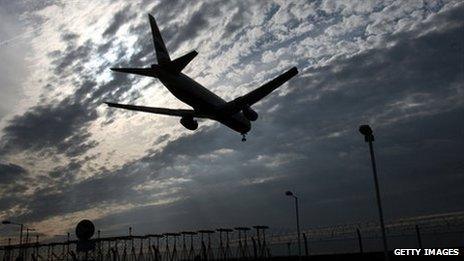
(291, 194)
(8, 222)
(369, 138)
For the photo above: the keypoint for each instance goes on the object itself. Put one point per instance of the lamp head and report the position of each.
(288, 193)
(6, 222)
(367, 132)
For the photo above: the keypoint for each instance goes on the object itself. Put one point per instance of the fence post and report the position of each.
(419, 239)
(203, 251)
(306, 244)
(9, 249)
(288, 249)
(67, 244)
(255, 251)
(361, 250)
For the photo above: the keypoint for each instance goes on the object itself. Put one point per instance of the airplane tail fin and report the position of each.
(162, 54)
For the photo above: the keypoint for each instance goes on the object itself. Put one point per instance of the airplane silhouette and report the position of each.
(235, 114)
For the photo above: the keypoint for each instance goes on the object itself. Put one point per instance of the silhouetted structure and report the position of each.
(369, 138)
(444, 231)
(243, 251)
(291, 194)
(206, 252)
(224, 250)
(190, 251)
(262, 250)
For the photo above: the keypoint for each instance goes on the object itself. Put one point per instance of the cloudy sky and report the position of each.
(64, 156)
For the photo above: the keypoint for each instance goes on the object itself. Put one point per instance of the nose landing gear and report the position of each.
(243, 137)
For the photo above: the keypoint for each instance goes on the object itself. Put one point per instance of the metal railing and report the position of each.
(245, 243)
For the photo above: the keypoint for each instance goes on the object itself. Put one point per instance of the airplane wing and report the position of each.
(258, 94)
(164, 111)
(140, 71)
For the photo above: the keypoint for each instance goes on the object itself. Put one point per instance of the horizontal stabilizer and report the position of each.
(164, 111)
(152, 72)
(179, 64)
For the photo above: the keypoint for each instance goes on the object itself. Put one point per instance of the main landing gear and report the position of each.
(243, 137)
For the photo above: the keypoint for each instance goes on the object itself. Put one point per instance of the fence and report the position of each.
(257, 242)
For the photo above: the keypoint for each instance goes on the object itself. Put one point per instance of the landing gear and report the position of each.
(243, 137)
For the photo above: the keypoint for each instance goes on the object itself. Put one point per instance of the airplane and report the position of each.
(236, 114)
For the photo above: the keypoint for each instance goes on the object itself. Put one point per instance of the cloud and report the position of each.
(10, 173)
(405, 85)
(73, 54)
(335, 99)
(13, 67)
(120, 18)
(46, 127)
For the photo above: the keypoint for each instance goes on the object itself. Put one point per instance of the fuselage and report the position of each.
(202, 100)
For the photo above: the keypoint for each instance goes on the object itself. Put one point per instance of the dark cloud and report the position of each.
(13, 183)
(68, 37)
(53, 126)
(121, 17)
(175, 34)
(61, 126)
(72, 55)
(10, 173)
(197, 23)
(107, 187)
(237, 22)
(410, 92)
(77, 197)
(68, 172)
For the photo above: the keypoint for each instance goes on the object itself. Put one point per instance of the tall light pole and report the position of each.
(291, 194)
(369, 138)
(8, 222)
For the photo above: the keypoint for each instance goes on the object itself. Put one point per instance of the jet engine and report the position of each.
(189, 123)
(250, 114)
